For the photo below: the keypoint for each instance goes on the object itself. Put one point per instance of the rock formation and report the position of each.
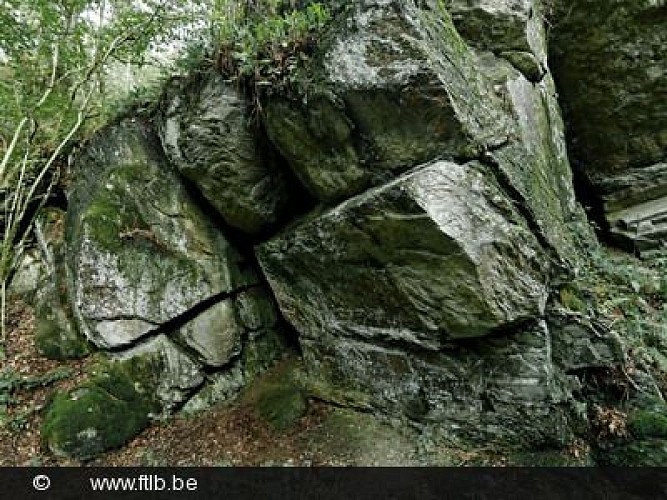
(421, 285)
(609, 61)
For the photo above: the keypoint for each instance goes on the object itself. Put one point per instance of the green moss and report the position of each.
(647, 453)
(104, 412)
(281, 405)
(55, 343)
(571, 300)
(109, 214)
(648, 423)
(277, 396)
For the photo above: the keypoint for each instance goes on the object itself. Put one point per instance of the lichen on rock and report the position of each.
(141, 252)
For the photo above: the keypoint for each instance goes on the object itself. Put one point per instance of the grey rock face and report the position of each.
(29, 275)
(141, 253)
(384, 288)
(501, 388)
(209, 134)
(415, 296)
(41, 282)
(612, 83)
(179, 374)
(512, 29)
(395, 85)
(579, 347)
(437, 254)
(215, 334)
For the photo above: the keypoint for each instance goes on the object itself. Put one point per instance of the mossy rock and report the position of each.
(103, 413)
(651, 422)
(262, 350)
(278, 397)
(647, 453)
(55, 342)
(281, 405)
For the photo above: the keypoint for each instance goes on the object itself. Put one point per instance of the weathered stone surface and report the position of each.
(256, 308)
(501, 388)
(439, 253)
(140, 253)
(386, 107)
(176, 375)
(29, 275)
(219, 387)
(41, 282)
(394, 85)
(609, 61)
(579, 347)
(209, 134)
(215, 334)
(635, 202)
(512, 29)
(261, 350)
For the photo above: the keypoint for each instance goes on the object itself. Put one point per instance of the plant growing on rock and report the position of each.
(261, 43)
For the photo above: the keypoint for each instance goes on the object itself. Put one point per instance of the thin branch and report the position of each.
(19, 129)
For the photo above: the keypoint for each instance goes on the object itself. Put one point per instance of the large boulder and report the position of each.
(610, 65)
(140, 252)
(153, 280)
(438, 254)
(403, 297)
(104, 412)
(394, 85)
(209, 133)
(495, 389)
(432, 134)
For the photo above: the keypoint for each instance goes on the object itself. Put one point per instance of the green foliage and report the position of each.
(12, 382)
(644, 423)
(265, 44)
(56, 57)
(646, 453)
(628, 296)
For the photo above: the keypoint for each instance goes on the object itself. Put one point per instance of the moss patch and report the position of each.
(647, 453)
(55, 343)
(278, 397)
(648, 423)
(104, 412)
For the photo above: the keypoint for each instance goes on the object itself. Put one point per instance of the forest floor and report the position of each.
(231, 434)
